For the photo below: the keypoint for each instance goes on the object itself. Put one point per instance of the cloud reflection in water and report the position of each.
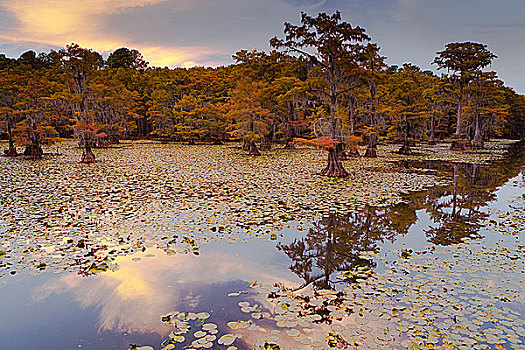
(134, 297)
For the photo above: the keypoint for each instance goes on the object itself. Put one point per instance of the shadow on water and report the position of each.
(447, 214)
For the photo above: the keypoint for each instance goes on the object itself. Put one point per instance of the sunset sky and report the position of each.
(207, 32)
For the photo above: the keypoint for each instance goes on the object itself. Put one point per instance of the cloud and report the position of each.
(162, 56)
(40, 19)
(55, 23)
(308, 4)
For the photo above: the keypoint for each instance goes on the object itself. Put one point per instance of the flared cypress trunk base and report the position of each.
(371, 150)
(458, 145)
(253, 150)
(340, 151)
(334, 167)
(478, 139)
(88, 156)
(479, 144)
(289, 144)
(405, 149)
(353, 152)
(33, 152)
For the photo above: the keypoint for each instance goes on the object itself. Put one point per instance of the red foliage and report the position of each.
(83, 127)
(321, 142)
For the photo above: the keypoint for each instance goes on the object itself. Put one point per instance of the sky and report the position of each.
(185, 33)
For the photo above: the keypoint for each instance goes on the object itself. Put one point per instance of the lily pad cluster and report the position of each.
(194, 330)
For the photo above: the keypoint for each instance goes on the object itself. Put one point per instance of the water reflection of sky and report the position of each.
(132, 299)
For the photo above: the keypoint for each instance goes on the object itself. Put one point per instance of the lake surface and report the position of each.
(92, 266)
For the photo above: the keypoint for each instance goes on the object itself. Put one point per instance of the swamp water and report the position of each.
(168, 247)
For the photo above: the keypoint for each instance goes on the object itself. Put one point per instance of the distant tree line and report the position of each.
(325, 83)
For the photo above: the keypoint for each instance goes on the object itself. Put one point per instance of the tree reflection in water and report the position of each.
(335, 242)
(456, 211)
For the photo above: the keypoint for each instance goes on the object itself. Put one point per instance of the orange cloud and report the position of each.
(161, 56)
(51, 19)
(60, 22)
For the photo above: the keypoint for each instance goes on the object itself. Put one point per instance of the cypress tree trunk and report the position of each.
(341, 154)
(34, 151)
(334, 167)
(87, 155)
(245, 145)
(265, 144)
(253, 149)
(478, 135)
(353, 152)
(405, 149)
(457, 134)
(142, 126)
(432, 137)
(457, 145)
(11, 152)
(372, 146)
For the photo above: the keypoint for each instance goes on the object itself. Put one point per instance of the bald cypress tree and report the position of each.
(335, 48)
(464, 60)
